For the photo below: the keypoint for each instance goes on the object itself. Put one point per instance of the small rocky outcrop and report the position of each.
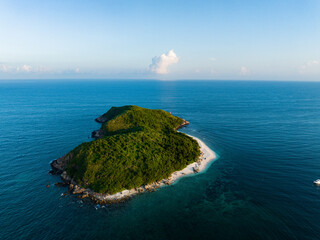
(196, 169)
(167, 181)
(65, 178)
(59, 165)
(184, 123)
(85, 194)
(97, 134)
(70, 187)
(77, 190)
(101, 119)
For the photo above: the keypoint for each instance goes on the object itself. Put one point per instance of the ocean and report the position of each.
(267, 136)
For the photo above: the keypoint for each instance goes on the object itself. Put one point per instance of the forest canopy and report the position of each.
(139, 146)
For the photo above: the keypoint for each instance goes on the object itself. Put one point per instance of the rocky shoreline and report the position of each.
(58, 168)
(101, 198)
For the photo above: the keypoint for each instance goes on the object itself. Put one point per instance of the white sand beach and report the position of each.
(207, 156)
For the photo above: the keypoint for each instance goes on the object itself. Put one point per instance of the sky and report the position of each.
(160, 39)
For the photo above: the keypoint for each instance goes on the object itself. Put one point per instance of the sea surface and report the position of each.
(267, 136)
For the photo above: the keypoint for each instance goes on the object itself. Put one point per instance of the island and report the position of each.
(135, 150)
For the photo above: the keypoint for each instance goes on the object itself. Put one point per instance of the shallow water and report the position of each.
(267, 135)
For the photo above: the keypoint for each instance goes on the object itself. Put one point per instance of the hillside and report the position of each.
(137, 146)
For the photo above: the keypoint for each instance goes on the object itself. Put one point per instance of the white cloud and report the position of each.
(34, 69)
(244, 71)
(24, 68)
(213, 59)
(310, 67)
(160, 64)
(3, 68)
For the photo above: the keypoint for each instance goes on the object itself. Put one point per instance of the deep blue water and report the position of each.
(267, 135)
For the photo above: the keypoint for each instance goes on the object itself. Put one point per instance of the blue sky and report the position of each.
(253, 40)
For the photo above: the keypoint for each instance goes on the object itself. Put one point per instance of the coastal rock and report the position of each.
(196, 169)
(85, 194)
(167, 181)
(101, 119)
(70, 187)
(140, 190)
(65, 178)
(60, 164)
(77, 190)
(97, 134)
(184, 123)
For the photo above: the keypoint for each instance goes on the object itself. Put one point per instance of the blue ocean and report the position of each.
(267, 136)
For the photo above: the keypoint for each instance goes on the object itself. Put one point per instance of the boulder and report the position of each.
(60, 164)
(101, 119)
(71, 187)
(97, 134)
(77, 190)
(85, 194)
(65, 178)
(196, 169)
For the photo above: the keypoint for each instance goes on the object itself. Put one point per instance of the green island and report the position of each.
(135, 146)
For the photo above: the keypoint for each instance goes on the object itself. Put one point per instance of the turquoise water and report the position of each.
(267, 135)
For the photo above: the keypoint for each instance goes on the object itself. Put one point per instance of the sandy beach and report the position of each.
(206, 157)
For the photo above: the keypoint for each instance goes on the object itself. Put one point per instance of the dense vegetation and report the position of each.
(140, 146)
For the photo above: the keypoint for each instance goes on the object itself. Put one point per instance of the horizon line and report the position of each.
(148, 79)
